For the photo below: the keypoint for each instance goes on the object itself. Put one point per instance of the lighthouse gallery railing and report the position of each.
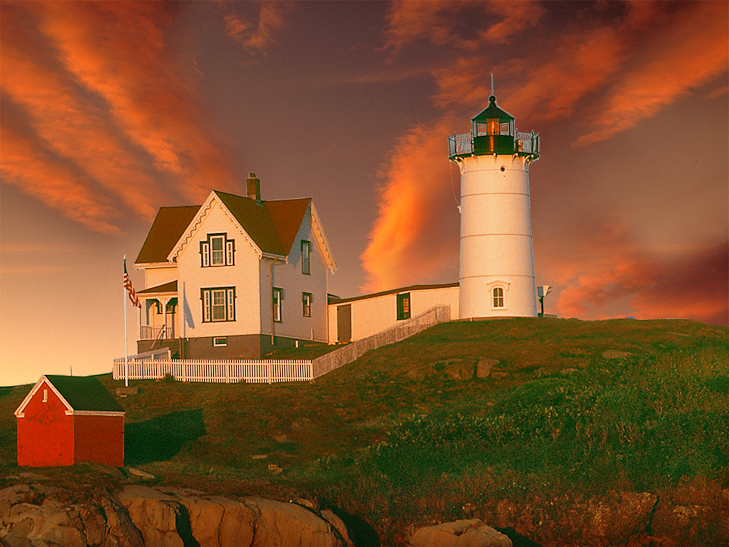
(524, 143)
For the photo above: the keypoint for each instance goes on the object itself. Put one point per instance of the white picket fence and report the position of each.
(157, 365)
(202, 370)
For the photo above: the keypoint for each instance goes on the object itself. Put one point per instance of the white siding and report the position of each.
(159, 275)
(374, 314)
(193, 277)
(289, 277)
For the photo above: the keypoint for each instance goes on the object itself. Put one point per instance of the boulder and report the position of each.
(461, 533)
(484, 366)
(185, 517)
(615, 354)
(459, 369)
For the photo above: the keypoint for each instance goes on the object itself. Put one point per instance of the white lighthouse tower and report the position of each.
(497, 261)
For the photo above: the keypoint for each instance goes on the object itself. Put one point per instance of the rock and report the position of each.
(461, 369)
(213, 521)
(461, 533)
(141, 474)
(484, 366)
(615, 354)
(419, 373)
(567, 371)
(338, 524)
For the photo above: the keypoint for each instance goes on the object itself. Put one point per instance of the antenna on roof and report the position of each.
(492, 84)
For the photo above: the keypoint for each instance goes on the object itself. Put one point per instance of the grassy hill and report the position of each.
(410, 433)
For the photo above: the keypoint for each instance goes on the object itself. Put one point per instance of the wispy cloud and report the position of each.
(606, 269)
(257, 29)
(417, 221)
(102, 94)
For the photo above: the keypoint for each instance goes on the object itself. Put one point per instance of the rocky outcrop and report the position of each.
(461, 533)
(696, 515)
(140, 516)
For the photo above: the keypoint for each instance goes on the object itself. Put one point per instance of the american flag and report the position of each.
(130, 288)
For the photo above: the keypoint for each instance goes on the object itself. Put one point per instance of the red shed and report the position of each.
(69, 419)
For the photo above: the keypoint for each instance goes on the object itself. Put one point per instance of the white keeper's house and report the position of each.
(234, 276)
(237, 276)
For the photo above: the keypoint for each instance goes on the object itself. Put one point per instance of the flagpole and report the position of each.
(126, 338)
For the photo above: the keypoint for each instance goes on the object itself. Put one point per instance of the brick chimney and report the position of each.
(253, 187)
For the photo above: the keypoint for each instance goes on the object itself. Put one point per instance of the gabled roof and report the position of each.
(272, 225)
(84, 394)
(168, 226)
(269, 226)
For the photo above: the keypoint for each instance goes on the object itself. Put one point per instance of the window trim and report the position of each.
(404, 306)
(277, 304)
(306, 257)
(306, 301)
(220, 341)
(206, 251)
(208, 304)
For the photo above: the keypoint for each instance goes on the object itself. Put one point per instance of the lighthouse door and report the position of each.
(344, 323)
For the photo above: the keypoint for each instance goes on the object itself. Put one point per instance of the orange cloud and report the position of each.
(118, 51)
(604, 272)
(689, 51)
(103, 94)
(458, 23)
(257, 37)
(418, 222)
(39, 174)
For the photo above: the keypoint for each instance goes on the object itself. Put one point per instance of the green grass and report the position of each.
(554, 417)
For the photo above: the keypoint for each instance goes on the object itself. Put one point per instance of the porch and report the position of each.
(158, 314)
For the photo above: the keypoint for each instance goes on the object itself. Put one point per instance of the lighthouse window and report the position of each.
(498, 293)
(492, 127)
(504, 129)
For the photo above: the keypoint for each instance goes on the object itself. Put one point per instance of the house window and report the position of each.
(403, 306)
(45, 395)
(306, 304)
(220, 341)
(218, 304)
(277, 299)
(305, 257)
(498, 293)
(217, 250)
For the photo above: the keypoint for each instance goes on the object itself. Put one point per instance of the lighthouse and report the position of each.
(497, 260)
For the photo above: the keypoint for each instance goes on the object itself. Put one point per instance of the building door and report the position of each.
(344, 323)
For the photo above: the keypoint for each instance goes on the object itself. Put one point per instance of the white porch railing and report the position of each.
(202, 370)
(150, 332)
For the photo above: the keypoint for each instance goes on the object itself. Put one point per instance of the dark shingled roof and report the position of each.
(84, 393)
(166, 230)
(272, 225)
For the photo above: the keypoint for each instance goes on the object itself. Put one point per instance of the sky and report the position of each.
(111, 110)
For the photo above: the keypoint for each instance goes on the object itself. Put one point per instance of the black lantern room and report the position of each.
(493, 131)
